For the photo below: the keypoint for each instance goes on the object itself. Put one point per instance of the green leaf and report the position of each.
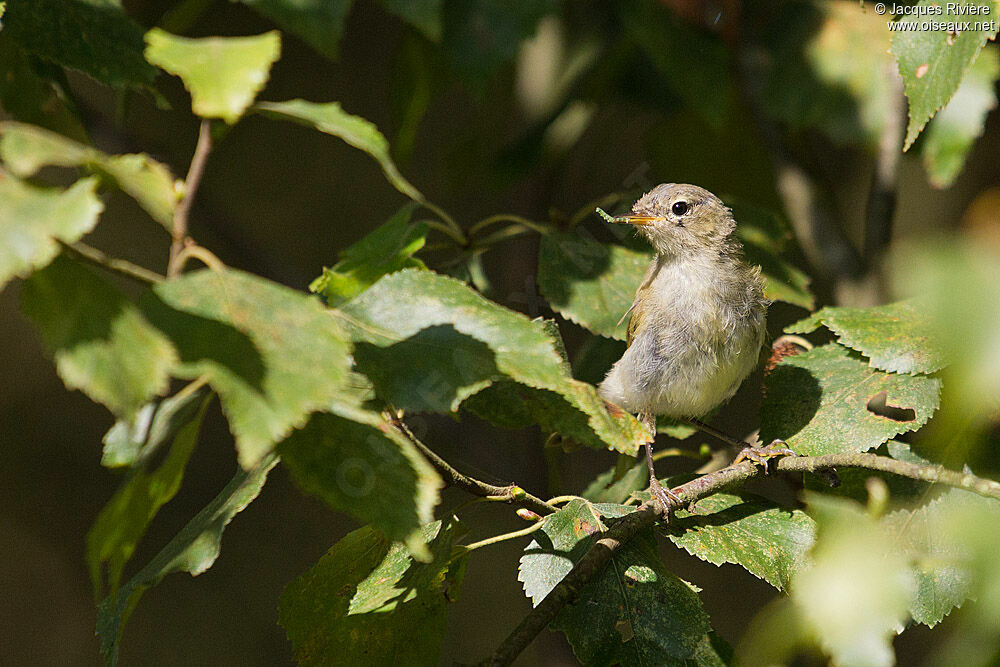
(614, 487)
(193, 550)
(764, 236)
(768, 540)
(26, 149)
(934, 62)
(223, 74)
(633, 612)
(953, 131)
(101, 342)
(853, 595)
(319, 23)
(34, 220)
(329, 118)
(818, 401)
(271, 353)
(429, 342)
(897, 337)
(115, 534)
(368, 602)
(854, 481)
(130, 441)
(95, 38)
(387, 249)
(358, 463)
(424, 15)
(27, 95)
(693, 62)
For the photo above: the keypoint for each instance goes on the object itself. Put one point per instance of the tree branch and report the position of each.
(120, 266)
(179, 230)
(646, 515)
(511, 492)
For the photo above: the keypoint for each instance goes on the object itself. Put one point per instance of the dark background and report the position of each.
(281, 201)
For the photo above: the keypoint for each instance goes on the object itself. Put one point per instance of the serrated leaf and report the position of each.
(193, 550)
(429, 342)
(954, 129)
(358, 463)
(633, 612)
(897, 337)
(34, 220)
(130, 441)
(934, 62)
(223, 74)
(94, 38)
(614, 487)
(817, 402)
(424, 15)
(271, 353)
(387, 249)
(318, 24)
(367, 602)
(768, 540)
(329, 118)
(25, 149)
(693, 62)
(112, 539)
(101, 342)
(853, 595)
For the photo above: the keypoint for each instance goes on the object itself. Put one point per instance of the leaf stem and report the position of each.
(539, 227)
(506, 536)
(179, 229)
(457, 232)
(120, 266)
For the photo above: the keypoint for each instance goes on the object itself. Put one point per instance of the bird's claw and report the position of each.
(665, 498)
(761, 455)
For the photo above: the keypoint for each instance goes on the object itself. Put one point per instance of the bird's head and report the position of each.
(679, 219)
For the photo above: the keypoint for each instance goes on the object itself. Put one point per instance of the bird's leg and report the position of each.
(665, 497)
(748, 452)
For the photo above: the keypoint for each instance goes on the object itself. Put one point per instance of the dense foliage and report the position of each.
(403, 324)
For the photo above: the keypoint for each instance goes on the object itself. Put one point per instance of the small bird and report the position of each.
(698, 319)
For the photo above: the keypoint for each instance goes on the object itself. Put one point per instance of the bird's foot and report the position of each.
(761, 455)
(665, 498)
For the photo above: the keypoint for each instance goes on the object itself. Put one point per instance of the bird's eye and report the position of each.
(679, 207)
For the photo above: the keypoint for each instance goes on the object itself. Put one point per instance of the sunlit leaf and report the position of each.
(358, 463)
(368, 602)
(101, 342)
(329, 118)
(95, 38)
(26, 149)
(271, 353)
(130, 441)
(933, 63)
(897, 337)
(768, 540)
(387, 249)
(223, 74)
(34, 220)
(953, 131)
(115, 534)
(818, 402)
(320, 24)
(429, 342)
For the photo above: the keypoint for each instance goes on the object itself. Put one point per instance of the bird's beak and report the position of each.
(641, 220)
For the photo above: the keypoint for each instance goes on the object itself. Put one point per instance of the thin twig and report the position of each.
(179, 229)
(504, 537)
(120, 266)
(512, 493)
(646, 515)
(539, 227)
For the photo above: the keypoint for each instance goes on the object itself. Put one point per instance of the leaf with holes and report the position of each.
(271, 353)
(897, 337)
(933, 63)
(366, 601)
(768, 540)
(826, 401)
(34, 220)
(25, 149)
(329, 118)
(358, 463)
(101, 342)
(633, 612)
(223, 74)
(952, 132)
(429, 342)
